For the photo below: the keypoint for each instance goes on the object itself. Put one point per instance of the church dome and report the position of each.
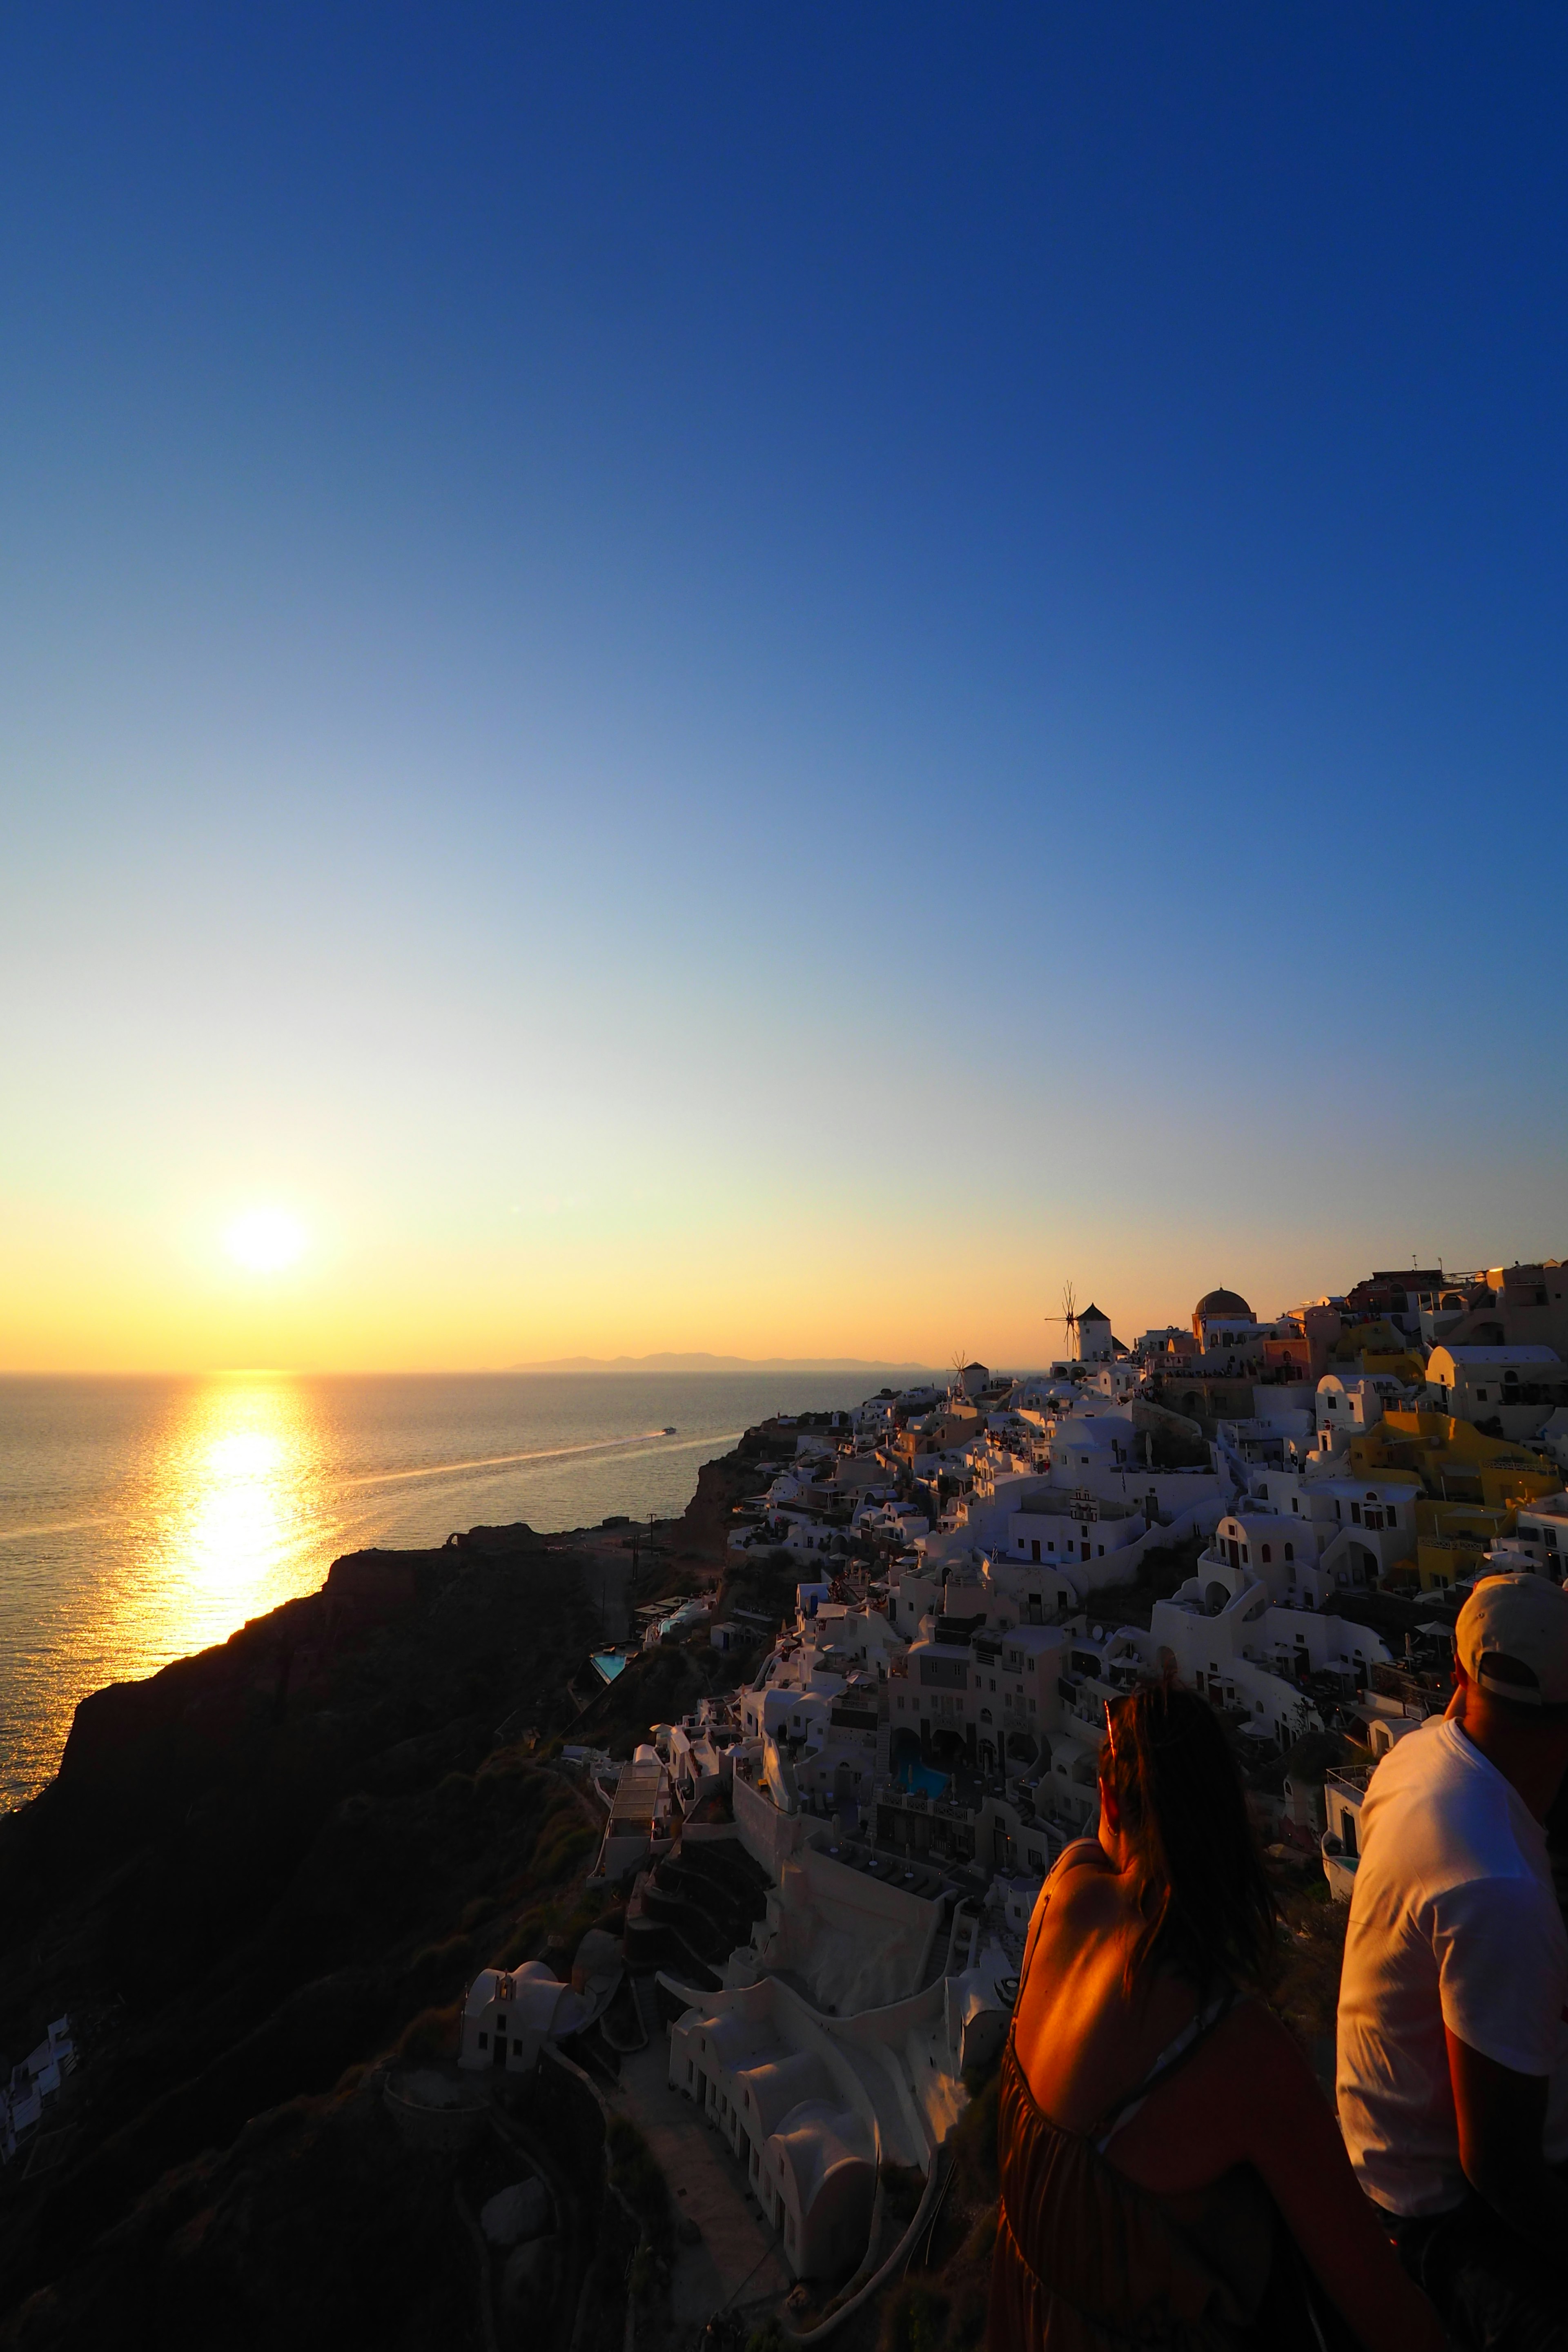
(1215, 1303)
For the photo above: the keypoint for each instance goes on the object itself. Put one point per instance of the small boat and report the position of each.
(669, 1429)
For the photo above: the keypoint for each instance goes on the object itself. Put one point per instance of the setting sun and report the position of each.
(264, 1241)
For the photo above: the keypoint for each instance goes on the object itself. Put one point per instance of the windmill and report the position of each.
(1068, 1318)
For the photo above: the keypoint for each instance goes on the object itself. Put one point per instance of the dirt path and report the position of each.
(738, 2256)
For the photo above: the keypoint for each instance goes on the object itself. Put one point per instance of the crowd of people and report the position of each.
(1172, 2175)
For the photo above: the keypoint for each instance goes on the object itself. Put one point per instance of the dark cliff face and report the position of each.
(252, 1872)
(260, 1871)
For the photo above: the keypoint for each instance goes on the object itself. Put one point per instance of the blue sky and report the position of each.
(764, 679)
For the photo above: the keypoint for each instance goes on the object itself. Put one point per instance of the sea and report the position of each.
(143, 1518)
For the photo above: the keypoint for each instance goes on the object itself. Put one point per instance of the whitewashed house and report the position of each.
(508, 2014)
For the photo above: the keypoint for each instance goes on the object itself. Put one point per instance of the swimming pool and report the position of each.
(915, 1775)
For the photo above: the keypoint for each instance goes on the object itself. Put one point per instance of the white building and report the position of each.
(1544, 1525)
(1485, 1384)
(856, 1928)
(812, 2106)
(508, 2014)
(966, 1697)
(1375, 1516)
(1095, 1345)
(1343, 1794)
(1239, 1634)
(1059, 1530)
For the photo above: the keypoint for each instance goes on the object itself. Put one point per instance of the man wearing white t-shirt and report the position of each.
(1453, 2021)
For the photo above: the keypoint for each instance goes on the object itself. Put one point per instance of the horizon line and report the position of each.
(659, 1360)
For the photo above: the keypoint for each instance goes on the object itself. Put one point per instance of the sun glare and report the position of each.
(264, 1241)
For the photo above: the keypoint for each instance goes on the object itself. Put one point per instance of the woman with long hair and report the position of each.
(1171, 2173)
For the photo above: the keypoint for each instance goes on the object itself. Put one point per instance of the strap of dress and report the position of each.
(1176, 2055)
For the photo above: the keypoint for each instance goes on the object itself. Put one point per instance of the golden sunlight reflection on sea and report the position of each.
(234, 1501)
(199, 1502)
(145, 1517)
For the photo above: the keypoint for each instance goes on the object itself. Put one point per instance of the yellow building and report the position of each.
(1450, 1538)
(1474, 1485)
(1406, 1369)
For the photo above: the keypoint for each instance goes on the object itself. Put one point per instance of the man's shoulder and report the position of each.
(1411, 1772)
(1437, 1815)
(1425, 1763)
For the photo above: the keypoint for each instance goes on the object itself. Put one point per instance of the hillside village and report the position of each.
(630, 1921)
(830, 1869)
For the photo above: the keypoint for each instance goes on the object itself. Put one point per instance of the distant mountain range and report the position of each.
(704, 1363)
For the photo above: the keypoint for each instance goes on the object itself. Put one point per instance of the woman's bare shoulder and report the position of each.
(1084, 1853)
(1084, 1881)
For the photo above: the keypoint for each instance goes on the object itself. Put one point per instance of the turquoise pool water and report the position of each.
(607, 1664)
(912, 1775)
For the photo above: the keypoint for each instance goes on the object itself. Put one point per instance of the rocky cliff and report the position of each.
(255, 1874)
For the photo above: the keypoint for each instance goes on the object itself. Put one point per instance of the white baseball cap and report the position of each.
(1513, 1639)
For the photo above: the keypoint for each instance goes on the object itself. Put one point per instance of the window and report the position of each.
(516, 2049)
(1267, 1554)
(1290, 1552)
(484, 2041)
(1355, 1513)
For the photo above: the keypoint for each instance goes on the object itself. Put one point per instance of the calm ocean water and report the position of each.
(140, 1519)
